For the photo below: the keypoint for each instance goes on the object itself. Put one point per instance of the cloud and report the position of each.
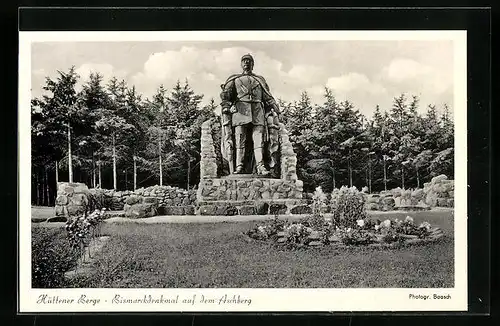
(105, 69)
(39, 72)
(409, 74)
(206, 69)
(305, 73)
(354, 81)
(403, 69)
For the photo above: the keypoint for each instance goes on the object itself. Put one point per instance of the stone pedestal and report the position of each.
(72, 199)
(247, 194)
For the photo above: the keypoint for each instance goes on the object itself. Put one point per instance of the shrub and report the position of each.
(315, 221)
(347, 206)
(51, 257)
(320, 200)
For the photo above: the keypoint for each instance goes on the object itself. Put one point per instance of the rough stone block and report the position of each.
(141, 211)
(62, 200)
(261, 208)
(257, 183)
(439, 178)
(226, 210)
(390, 201)
(372, 206)
(301, 209)
(189, 210)
(246, 210)
(68, 190)
(61, 211)
(442, 202)
(78, 199)
(266, 195)
(150, 200)
(451, 202)
(173, 210)
(279, 209)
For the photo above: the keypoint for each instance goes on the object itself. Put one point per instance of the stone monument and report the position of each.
(254, 144)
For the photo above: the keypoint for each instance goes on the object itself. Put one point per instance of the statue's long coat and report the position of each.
(250, 101)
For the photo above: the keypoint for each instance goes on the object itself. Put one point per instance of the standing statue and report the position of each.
(249, 115)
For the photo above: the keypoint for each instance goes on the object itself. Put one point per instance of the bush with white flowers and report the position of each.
(81, 230)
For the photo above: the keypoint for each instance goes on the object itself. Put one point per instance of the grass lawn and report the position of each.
(217, 255)
(42, 213)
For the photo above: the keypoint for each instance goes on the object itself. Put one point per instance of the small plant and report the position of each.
(347, 206)
(315, 221)
(320, 200)
(352, 236)
(81, 230)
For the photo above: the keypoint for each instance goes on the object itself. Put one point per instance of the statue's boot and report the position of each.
(240, 156)
(261, 168)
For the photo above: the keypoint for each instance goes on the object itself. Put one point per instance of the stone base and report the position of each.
(248, 188)
(245, 176)
(247, 194)
(257, 207)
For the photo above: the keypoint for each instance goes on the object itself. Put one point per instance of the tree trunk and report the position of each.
(135, 173)
(47, 194)
(42, 188)
(114, 162)
(159, 155)
(70, 158)
(37, 190)
(189, 171)
(369, 176)
(403, 176)
(93, 171)
(333, 177)
(385, 175)
(350, 170)
(418, 179)
(100, 173)
(57, 173)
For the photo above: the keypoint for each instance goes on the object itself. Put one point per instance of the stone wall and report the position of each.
(248, 189)
(440, 192)
(208, 160)
(437, 193)
(147, 202)
(72, 199)
(288, 157)
(163, 196)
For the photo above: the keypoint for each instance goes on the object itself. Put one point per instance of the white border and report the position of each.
(262, 299)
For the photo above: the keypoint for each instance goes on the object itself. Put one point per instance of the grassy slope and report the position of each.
(50, 256)
(216, 255)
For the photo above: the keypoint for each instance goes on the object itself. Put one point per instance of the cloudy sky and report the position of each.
(365, 72)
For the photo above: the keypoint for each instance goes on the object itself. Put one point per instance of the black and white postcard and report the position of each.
(243, 171)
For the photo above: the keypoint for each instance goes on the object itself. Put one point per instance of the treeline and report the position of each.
(108, 135)
(397, 147)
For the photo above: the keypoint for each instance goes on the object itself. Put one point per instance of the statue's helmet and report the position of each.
(247, 56)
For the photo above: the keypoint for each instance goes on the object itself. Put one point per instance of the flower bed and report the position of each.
(317, 231)
(347, 226)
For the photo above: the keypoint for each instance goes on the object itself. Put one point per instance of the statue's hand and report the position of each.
(275, 113)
